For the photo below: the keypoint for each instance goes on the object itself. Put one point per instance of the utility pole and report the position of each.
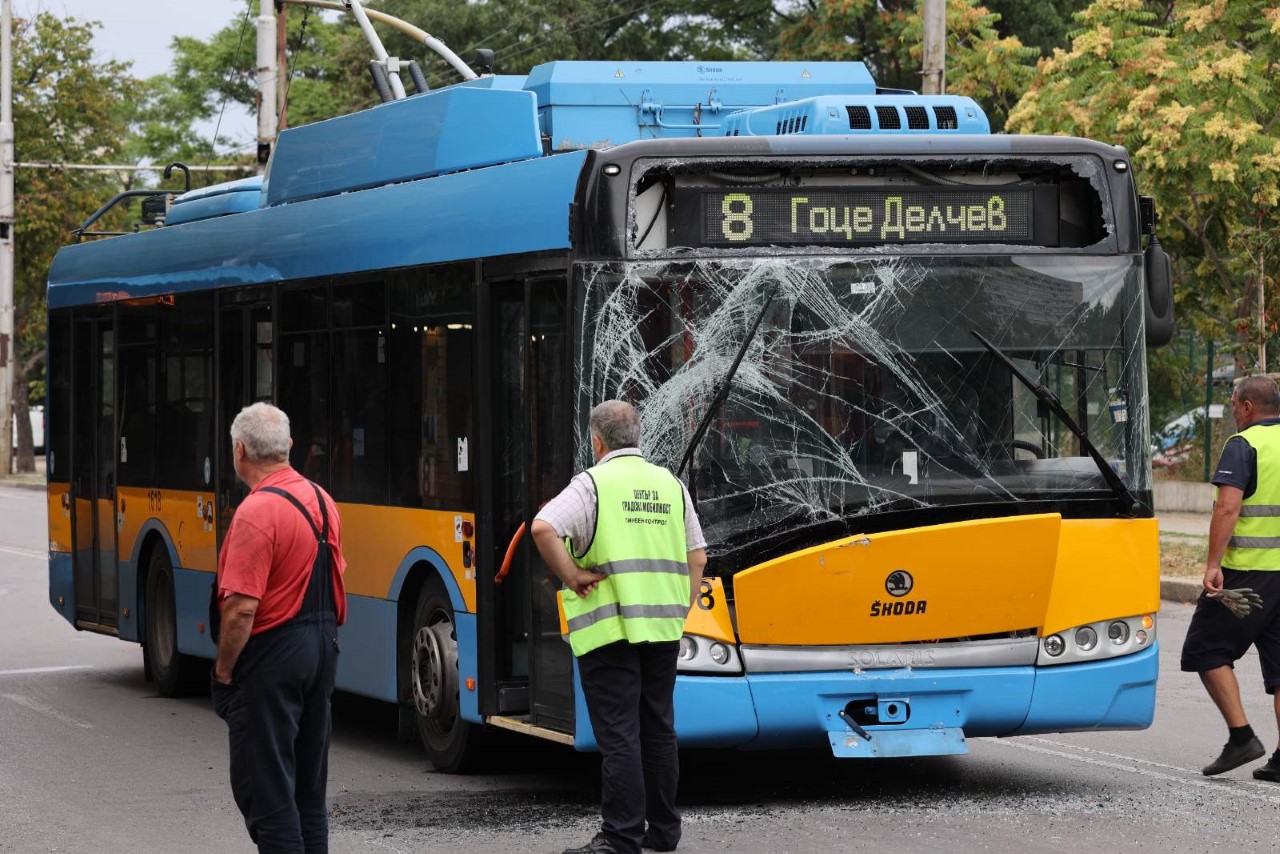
(935, 48)
(282, 65)
(7, 354)
(267, 77)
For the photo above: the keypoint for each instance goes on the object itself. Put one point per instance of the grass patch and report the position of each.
(1182, 555)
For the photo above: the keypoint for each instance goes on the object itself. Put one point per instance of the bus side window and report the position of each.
(432, 314)
(358, 467)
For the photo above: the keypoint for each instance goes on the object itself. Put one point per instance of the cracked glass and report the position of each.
(863, 389)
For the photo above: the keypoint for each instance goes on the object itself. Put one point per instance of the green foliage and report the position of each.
(1042, 24)
(982, 64)
(1194, 97)
(67, 108)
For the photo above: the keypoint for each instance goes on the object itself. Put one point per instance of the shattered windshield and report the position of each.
(863, 388)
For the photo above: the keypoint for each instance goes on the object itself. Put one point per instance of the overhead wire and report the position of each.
(289, 64)
(248, 10)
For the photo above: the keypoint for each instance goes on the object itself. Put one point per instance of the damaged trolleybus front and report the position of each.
(905, 379)
(899, 362)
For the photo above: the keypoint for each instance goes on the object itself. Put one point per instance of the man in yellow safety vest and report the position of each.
(624, 539)
(1244, 554)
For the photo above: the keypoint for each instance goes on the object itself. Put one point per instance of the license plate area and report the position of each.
(933, 741)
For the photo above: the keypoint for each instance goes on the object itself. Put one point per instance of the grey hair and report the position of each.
(263, 429)
(616, 423)
(1261, 391)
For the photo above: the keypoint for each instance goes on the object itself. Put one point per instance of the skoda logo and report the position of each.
(899, 583)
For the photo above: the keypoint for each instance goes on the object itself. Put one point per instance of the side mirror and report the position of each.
(1159, 295)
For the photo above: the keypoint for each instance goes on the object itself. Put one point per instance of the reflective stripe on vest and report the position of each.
(639, 545)
(1255, 542)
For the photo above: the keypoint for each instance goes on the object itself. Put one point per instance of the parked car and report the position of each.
(37, 429)
(1173, 442)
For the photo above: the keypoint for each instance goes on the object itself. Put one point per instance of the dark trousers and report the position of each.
(278, 719)
(629, 690)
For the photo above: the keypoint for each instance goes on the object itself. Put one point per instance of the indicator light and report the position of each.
(1148, 621)
(1140, 637)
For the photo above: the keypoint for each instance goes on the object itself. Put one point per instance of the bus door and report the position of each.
(244, 377)
(528, 446)
(93, 471)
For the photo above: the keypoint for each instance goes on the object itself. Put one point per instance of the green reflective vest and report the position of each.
(639, 545)
(1255, 542)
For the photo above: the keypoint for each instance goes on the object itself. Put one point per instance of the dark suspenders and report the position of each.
(318, 599)
(319, 588)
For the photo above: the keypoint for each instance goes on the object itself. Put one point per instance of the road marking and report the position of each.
(1201, 782)
(46, 710)
(59, 669)
(23, 552)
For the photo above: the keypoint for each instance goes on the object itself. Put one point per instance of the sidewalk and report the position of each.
(33, 480)
(1186, 590)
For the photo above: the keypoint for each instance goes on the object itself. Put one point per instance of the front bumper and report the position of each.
(779, 710)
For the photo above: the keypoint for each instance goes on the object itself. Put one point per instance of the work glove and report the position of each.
(1240, 601)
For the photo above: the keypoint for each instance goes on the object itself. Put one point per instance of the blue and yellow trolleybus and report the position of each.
(899, 360)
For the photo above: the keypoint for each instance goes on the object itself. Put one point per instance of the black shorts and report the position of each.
(1217, 637)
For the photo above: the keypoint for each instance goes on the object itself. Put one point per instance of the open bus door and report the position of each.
(93, 471)
(526, 669)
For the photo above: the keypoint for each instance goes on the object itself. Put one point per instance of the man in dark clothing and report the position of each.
(1244, 552)
(282, 598)
(634, 559)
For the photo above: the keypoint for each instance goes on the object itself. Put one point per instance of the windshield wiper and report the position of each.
(722, 394)
(1129, 504)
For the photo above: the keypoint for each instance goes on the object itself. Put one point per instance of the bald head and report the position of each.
(616, 423)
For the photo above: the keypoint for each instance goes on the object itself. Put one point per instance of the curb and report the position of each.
(1185, 590)
(38, 486)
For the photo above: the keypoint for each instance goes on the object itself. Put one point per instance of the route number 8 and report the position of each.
(737, 209)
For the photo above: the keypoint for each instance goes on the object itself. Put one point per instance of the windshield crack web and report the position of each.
(861, 391)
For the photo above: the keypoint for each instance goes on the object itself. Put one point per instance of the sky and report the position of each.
(141, 32)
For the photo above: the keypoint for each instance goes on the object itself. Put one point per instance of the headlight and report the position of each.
(709, 657)
(1080, 644)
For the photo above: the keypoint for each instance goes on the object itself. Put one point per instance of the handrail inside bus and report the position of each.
(510, 555)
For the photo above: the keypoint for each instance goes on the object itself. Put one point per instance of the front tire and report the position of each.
(173, 672)
(433, 680)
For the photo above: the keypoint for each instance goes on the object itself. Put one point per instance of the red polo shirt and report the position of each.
(269, 550)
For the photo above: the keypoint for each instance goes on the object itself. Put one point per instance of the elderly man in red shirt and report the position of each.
(281, 599)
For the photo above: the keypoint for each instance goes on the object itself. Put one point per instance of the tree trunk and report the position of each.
(25, 458)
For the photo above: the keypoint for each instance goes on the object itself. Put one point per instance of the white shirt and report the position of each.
(572, 513)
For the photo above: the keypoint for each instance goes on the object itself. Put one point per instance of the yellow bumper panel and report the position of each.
(951, 581)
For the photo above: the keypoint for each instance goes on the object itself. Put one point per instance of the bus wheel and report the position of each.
(434, 677)
(172, 671)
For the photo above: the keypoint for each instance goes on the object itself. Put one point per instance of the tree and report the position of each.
(887, 37)
(1195, 100)
(67, 108)
(1042, 24)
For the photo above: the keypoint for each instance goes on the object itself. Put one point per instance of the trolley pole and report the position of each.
(7, 354)
(935, 48)
(267, 76)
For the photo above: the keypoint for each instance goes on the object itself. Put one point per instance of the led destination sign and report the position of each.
(828, 217)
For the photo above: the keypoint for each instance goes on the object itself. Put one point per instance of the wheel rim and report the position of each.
(164, 624)
(435, 673)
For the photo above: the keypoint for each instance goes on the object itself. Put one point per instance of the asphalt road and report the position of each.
(92, 761)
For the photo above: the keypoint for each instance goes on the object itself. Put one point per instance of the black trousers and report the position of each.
(630, 690)
(277, 711)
